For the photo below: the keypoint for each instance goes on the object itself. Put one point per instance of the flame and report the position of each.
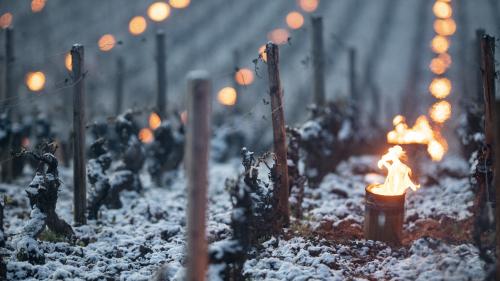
(243, 76)
(35, 81)
(398, 173)
(154, 121)
(420, 133)
(68, 62)
(309, 5)
(179, 4)
(137, 25)
(227, 96)
(440, 88)
(445, 27)
(5, 20)
(146, 135)
(440, 44)
(106, 42)
(158, 11)
(440, 111)
(294, 20)
(37, 5)
(442, 10)
(262, 52)
(438, 66)
(278, 36)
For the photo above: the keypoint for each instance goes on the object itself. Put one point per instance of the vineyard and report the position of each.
(249, 140)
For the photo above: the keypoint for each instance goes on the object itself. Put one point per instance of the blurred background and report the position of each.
(391, 40)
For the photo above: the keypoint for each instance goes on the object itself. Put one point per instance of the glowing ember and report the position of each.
(420, 133)
(243, 76)
(146, 135)
(137, 25)
(106, 42)
(262, 53)
(440, 44)
(227, 96)
(179, 4)
(37, 5)
(67, 62)
(445, 27)
(398, 173)
(440, 87)
(154, 121)
(158, 11)
(440, 111)
(5, 20)
(442, 10)
(278, 36)
(294, 20)
(308, 5)
(35, 81)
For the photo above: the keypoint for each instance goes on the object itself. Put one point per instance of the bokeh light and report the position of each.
(154, 121)
(442, 10)
(445, 27)
(68, 62)
(440, 88)
(243, 76)
(106, 42)
(227, 96)
(179, 4)
(137, 25)
(37, 5)
(35, 81)
(438, 66)
(262, 53)
(294, 20)
(440, 111)
(158, 11)
(278, 36)
(146, 135)
(440, 44)
(5, 20)
(308, 5)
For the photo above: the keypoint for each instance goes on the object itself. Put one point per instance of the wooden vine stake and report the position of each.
(497, 181)
(10, 96)
(197, 147)
(488, 69)
(161, 70)
(318, 60)
(120, 71)
(79, 173)
(279, 134)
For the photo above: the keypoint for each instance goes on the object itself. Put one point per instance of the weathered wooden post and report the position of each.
(10, 96)
(478, 96)
(352, 76)
(120, 72)
(197, 147)
(318, 61)
(79, 173)
(488, 70)
(161, 70)
(279, 134)
(497, 181)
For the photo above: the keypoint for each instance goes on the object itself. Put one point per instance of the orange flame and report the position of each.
(146, 135)
(398, 173)
(420, 133)
(442, 10)
(440, 111)
(440, 88)
(440, 44)
(154, 121)
(445, 27)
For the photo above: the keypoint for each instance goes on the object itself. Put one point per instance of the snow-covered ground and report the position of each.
(327, 244)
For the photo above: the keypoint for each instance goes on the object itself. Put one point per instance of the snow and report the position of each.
(148, 233)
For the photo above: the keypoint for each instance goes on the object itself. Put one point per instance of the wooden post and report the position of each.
(352, 76)
(280, 147)
(197, 148)
(318, 61)
(11, 97)
(478, 96)
(79, 173)
(497, 182)
(161, 98)
(488, 70)
(120, 69)
(237, 87)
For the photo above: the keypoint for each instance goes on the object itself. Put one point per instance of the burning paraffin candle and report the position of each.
(384, 203)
